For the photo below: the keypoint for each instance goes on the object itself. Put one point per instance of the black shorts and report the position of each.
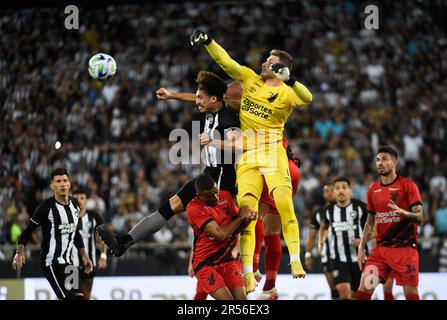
(227, 179)
(227, 182)
(327, 266)
(64, 281)
(346, 272)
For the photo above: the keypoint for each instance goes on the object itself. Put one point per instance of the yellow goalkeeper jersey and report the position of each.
(264, 109)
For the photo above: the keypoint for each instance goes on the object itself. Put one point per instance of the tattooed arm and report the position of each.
(416, 214)
(369, 228)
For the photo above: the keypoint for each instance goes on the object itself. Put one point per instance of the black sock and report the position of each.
(166, 211)
(126, 241)
(334, 294)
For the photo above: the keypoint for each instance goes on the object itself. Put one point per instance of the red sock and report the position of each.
(273, 254)
(412, 296)
(361, 295)
(389, 296)
(259, 233)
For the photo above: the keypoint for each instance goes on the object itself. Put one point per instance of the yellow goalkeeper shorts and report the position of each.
(256, 166)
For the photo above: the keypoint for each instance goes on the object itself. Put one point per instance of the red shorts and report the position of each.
(294, 176)
(403, 262)
(201, 294)
(227, 274)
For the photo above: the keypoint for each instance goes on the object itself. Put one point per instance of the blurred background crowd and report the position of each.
(370, 88)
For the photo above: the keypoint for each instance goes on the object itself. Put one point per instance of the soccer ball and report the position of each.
(101, 66)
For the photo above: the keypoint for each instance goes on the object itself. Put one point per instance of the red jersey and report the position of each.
(392, 229)
(290, 154)
(207, 250)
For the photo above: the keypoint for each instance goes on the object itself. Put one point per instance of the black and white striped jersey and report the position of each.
(216, 125)
(442, 258)
(220, 164)
(345, 224)
(87, 226)
(315, 223)
(59, 230)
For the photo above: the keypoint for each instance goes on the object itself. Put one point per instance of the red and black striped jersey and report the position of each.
(207, 250)
(392, 229)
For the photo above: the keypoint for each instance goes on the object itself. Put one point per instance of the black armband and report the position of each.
(290, 82)
(208, 41)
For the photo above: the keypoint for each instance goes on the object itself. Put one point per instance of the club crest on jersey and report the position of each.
(353, 214)
(252, 89)
(272, 97)
(77, 213)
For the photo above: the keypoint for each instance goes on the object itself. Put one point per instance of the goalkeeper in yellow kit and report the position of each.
(266, 103)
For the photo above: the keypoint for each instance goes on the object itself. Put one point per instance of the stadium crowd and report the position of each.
(370, 88)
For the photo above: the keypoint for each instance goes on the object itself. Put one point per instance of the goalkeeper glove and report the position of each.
(199, 36)
(282, 73)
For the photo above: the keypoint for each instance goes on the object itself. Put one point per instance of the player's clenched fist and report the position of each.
(248, 214)
(282, 73)
(163, 94)
(252, 216)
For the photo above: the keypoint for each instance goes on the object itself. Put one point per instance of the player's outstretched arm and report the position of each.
(189, 97)
(165, 94)
(283, 73)
(223, 59)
